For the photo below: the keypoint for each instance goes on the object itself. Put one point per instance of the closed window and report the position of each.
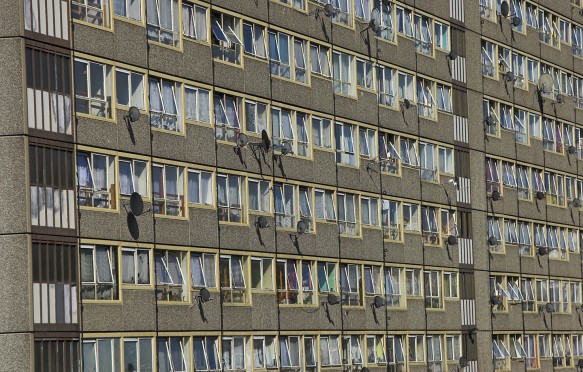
(232, 279)
(200, 187)
(364, 74)
(347, 213)
(233, 353)
(197, 104)
(369, 211)
(165, 104)
(129, 88)
(329, 351)
(375, 349)
(285, 205)
(345, 143)
(138, 354)
(168, 190)
(133, 177)
(350, 284)
(324, 203)
(100, 354)
(261, 273)
(321, 132)
(259, 199)
(202, 270)
(227, 122)
(386, 86)
(135, 266)
(394, 286)
(229, 198)
(433, 297)
(280, 54)
(373, 282)
(294, 282)
(264, 352)
(342, 76)
(320, 60)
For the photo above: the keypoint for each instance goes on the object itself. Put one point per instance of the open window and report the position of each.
(232, 279)
(96, 180)
(352, 349)
(194, 24)
(280, 46)
(163, 25)
(227, 110)
(173, 355)
(206, 354)
(375, 350)
(350, 283)
(99, 272)
(226, 37)
(165, 104)
(430, 225)
(170, 268)
(230, 191)
(327, 277)
(320, 60)
(202, 270)
(423, 34)
(133, 177)
(290, 352)
(93, 88)
(396, 357)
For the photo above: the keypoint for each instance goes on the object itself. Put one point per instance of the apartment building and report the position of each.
(291, 185)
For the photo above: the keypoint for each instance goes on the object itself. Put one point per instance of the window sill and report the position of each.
(196, 41)
(201, 206)
(104, 28)
(167, 131)
(137, 287)
(232, 64)
(96, 209)
(162, 45)
(112, 120)
(171, 303)
(351, 236)
(165, 216)
(199, 123)
(229, 223)
(129, 20)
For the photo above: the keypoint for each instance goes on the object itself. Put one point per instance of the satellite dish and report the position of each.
(332, 299)
(577, 203)
(504, 8)
(261, 222)
(463, 362)
(495, 195)
(204, 295)
(286, 148)
(545, 83)
(451, 240)
(133, 114)
(265, 141)
(516, 21)
(549, 308)
(509, 76)
(560, 98)
(375, 21)
(136, 204)
(406, 104)
(302, 227)
(242, 140)
(329, 10)
(571, 149)
(378, 302)
(492, 241)
(540, 195)
(133, 227)
(543, 251)
(452, 55)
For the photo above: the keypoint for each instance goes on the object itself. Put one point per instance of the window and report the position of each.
(96, 180)
(342, 76)
(329, 351)
(350, 283)
(40, 22)
(450, 284)
(492, 176)
(427, 161)
(163, 22)
(133, 177)
(404, 22)
(232, 279)
(48, 89)
(137, 354)
(434, 353)
(194, 21)
(413, 282)
(285, 205)
(516, 348)
(446, 160)
(227, 125)
(55, 288)
(306, 205)
(171, 285)
(197, 104)
(172, 354)
(528, 294)
(500, 352)
(202, 270)
(98, 272)
(387, 31)
(410, 217)
(352, 349)
(510, 234)
(294, 282)
(488, 59)
(575, 291)
(394, 287)
(320, 60)
(298, 4)
(347, 214)
(259, 199)
(321, 132)
(129, 87)
(280, 54)
(565, 31)
(225, 38)
(165, 104)
(364, 74)
(425, 100)
(375, 349)
(443, 98)
(300, 60)
(229, 198)
(416, 348)
(324, 204)
(94, 12)
(290, 351)
(60, 354)
(441, 36)
(544, 345)
(345, 147)
(577, 41)
(533, 70)
(128, 8)
(406, 87)
(523, 181)
(531, 15)
(521, 126)
(542, 290)
(518, 62)
(233, 353)
(100, 354)
(396, 352)
(135, 266)
(206, 353)
(372, 280)
(255, 117)
(386, 86)
(286, 126)
(423, 34)
(261, 273)
(369, 211)
(93, 88)
(495, 232)
(391, 218)
(200, 187)
(327, 277)
(168, 190)
(430, 225)
(432, 281)
(487, 9)
(453, 347)
(52, 196)
(264, 352)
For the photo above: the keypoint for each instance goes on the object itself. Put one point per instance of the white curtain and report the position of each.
(143, 267)
(329, 206)
(155, 99)
(193, 187)
(197, 270)
(206, 188)
(171, 182)
(100, 172)
(237, 270)
(86, 268)
(103, 265)
(258, 357)
(83, 172)
(128, 267)
(209, 270)
(190, 104)
(234, 192)
(203, 106)
(200, 23)
(125, 178)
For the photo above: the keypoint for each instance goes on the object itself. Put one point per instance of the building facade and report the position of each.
(320, 188)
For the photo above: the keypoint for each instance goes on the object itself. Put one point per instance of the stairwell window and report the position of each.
(165, 104)
(163, 22)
